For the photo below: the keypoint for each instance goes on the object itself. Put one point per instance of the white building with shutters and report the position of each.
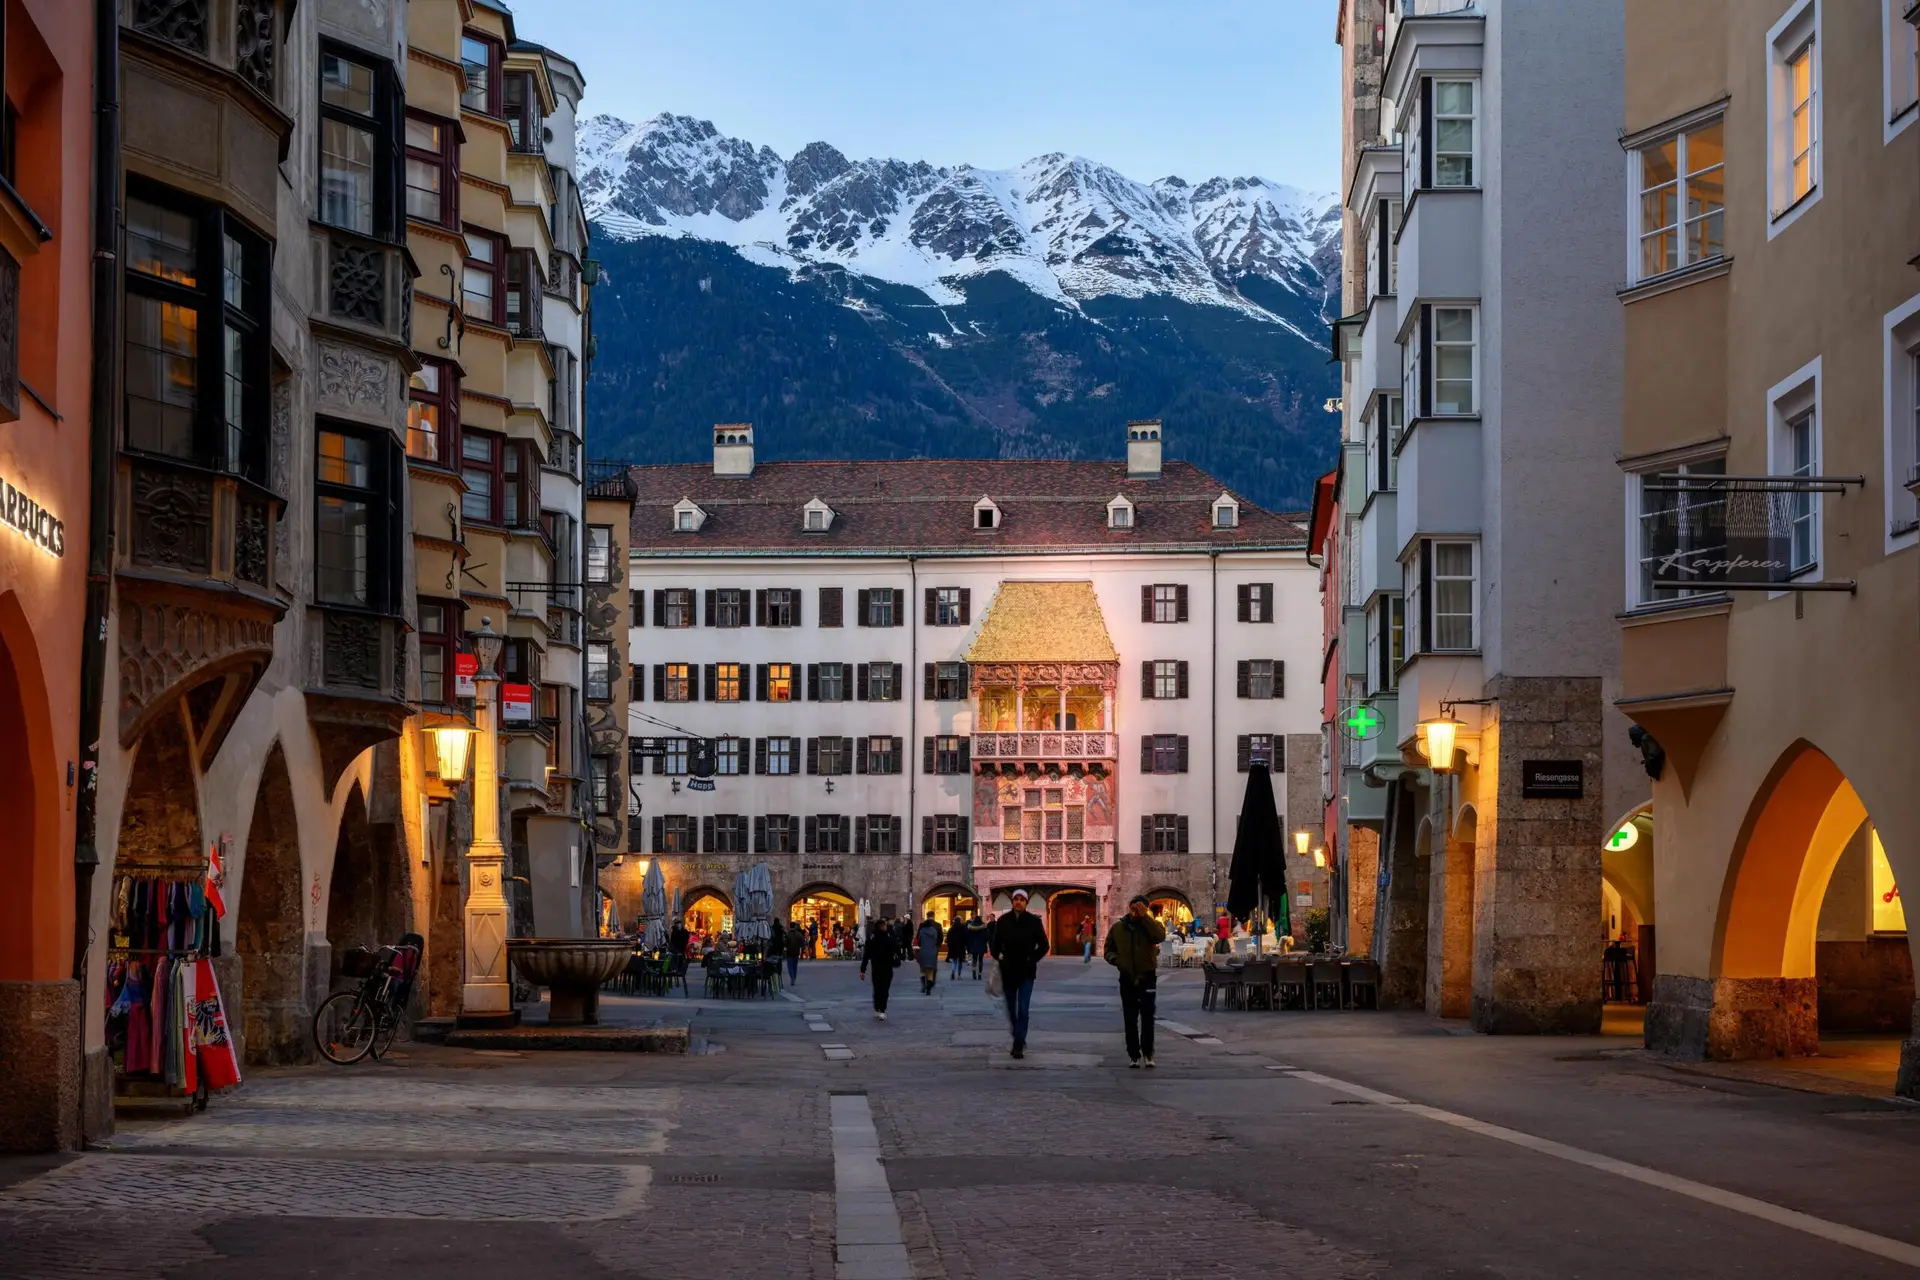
(931, 681)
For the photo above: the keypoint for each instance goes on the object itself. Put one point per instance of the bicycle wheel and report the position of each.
(391, 1021)
(343, 1029)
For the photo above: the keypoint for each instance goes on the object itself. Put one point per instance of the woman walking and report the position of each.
(956, 948)
(883, 954)
(927, 951)
(978, 931)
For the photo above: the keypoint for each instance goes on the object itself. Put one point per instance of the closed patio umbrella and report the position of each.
(653, 908)
(1259, 863)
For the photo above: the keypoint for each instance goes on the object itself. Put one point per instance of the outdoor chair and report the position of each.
(1363, 976)
(1325, 975)
(1290, 978)
(1220, 980)
(1256, 981)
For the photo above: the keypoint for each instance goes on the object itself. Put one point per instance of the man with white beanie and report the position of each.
(1018, 943)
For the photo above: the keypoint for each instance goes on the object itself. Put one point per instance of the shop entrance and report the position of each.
(1066, 910)
(23, 955)
(828, 915)
(1626, 922)
(947, 903)
(708, 915)
(1171, 909)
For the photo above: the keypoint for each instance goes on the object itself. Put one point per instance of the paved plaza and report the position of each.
(802, 1138)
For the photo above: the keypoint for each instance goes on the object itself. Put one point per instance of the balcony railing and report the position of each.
(1046, 744)
(1043, 853)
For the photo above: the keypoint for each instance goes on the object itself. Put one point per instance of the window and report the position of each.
(881, 607)
(986, 516)
(433, 411)
(827, 682)
(483, 285)
(1383, 254)
(1802, 444)
(1120, 515)
(480, 58)
(830, 756)
(523, 309)
(1226, 515)
(775, 756)
(777, 607)
(1254, 601)
(1260, 678)
(1902, 78)
(727, 607)
(601, 769)
(1902, 427)
(357, 121)
(726, 833)
(1682, 184)
(1387, 640)
(356, 520)
(775, 681)
(636, 607)
(526, 126)
(683, 521)
(828, 833)
(877, 682)
(196, 333)
(673, 682)
(1793, 449)
(945, 682)
(1163, 678)
(1384, 443)
(1453, 133)
(673, 833)
(946, 753)
(778, 832)
(433, 170)
(832, 606)
(1163, 753)
(1453, 359)
(880, 754)
(520, 492)
(727, 683)
(676, 757)
(482, 469)
(1259, 748)
(1163, 602)
(1677, 525)
(816, 520)
(439, 624)
(946, 833)
(1163, 833)
(1803, 122)
(730, 758)
(1794, 113)
(599, 672)
(673, 607)
(1440, 591)
(877, 833)
(949, 606)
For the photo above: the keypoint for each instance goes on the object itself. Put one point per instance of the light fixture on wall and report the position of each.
(1437, 738)
(1319, 857)
(1300, 841)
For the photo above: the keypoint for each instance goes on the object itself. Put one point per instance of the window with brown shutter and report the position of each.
(860, 682)
(1243, 602)
(966, 606)
(1146, 679)
(862, 608)
(1180, 596)
(1180, 825)
(1181, 679)
(1146, 604)
(832, 606)
(926, 755)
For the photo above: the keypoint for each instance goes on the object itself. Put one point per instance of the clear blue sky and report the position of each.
(1201, 88)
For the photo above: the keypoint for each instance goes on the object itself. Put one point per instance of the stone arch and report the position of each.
(32, 938)
(691, 908)
(368, 899)
(270, 933)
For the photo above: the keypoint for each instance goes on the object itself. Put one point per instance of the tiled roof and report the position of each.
(1043, 622)
(926, 504)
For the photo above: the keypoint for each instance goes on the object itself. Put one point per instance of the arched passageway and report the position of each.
(270, 934)
(368, 904)
(708, 912)
(30, 906)
(946, 903)
(829, 915)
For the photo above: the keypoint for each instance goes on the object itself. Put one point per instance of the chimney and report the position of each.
(733, 448)
(1143, 448)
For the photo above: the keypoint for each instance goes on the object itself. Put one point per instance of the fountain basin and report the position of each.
(572, 970)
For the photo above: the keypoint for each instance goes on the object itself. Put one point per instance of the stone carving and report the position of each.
(280, 453)
(163, 644)
(172, 520)
(253, 43)
(356, 284)
(406, 311)
(399, 665)
(181, 22)
(351, 657)
(250, 563)
(1026, 675)
(353, 378)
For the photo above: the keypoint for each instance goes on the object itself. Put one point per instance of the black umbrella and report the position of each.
(1259, 858)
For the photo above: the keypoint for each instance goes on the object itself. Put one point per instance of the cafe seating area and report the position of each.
(1297, 981)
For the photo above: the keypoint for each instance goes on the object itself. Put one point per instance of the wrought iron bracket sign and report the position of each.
(1735, 532)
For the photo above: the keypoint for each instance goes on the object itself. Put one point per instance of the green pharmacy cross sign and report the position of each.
(1362, 722)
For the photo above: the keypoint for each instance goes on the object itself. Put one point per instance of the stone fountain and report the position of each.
(572, 970)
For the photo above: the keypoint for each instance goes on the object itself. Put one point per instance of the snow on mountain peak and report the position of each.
(1067, 227)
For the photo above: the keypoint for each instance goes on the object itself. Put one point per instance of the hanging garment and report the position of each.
(157, 1015)
(139, 1056)
(122, 892)
(216, 881)
(185, 1021)
(217, 1057)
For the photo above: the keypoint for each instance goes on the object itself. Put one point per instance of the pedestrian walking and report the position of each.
(956, 948)
(813, 939)
(927, 952)
(1133, 947)
(774, 951)
(883, 954)
(1019, 941)
(1086, 940)
(978, 931)
(796, 942)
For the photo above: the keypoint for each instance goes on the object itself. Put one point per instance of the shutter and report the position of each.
(760, 682)
(966, 755)
(1180, 603)
(1425, 389)
(1181, 679)
(832, 605)
(659, 682)
(637, 607)
(1279, 764)
(796, 599)
(1426, 135)
(712, 597)
(1243, 752)
(659, 606)
(860, 682)
(708, 841)
(1146, 833)
(637, 682)
(760, 833)
(1146, 680)
(1279, 678)
(1146, 604)
(896, 752)
(859, 835)
(899, 606)
(966, 606)
(926, 681)
(926, 757)
(1244, 600)
(813, 834)
(860, 759)
(929, 606)
(893, 826)
(1182, 766)
(813, 682)
(760, 756)
(961, 845)
(1146, 753)
(847, 746)
(659, 834)
(926, 835)
(1180, 827)
(861, 604)
(760, 606)
(1243, 679)
(712, 682)
(966, 680)
(813, 758)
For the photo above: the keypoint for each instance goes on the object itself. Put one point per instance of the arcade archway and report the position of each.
(829, 916)
(708, 913)
(270, 934)
(1171, 908)
(29, 946)
(368, 904)
(947, 903)
(1067, 911)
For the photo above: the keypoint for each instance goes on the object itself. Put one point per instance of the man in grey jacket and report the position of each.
(1133, 947)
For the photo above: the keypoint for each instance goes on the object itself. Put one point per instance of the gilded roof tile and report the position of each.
(1043, 622)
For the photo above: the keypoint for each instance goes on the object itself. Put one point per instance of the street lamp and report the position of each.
(486, 998)
(1319, 857)
(1300, 842)
(450, 743)
(1437, 737)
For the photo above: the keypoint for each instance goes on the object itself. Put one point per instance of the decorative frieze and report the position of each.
(166, 643)
(178, 22)
(352, 379)
(172, 526)
(254, 47)
(351, 651)
(356, 283)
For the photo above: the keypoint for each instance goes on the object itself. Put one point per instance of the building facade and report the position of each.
(1768, 445)
(1480, 358)
(926, 683)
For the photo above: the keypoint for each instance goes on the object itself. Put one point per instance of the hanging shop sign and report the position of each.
(1714, 532)
(1553, 779)
(700, 784)
(516, 704)
(466, 666)
(32, 521)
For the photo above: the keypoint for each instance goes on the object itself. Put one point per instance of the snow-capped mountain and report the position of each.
(1068, 228)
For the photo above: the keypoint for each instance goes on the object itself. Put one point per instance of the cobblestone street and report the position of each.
(1326, 1145)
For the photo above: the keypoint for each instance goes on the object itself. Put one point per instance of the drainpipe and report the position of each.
(1213, 732)
(105, 397)
(910, 679)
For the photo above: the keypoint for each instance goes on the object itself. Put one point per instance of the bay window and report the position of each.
(433, 170)
(483, 285)
(1452, 137)
(439, 631)
(433, 412)
(521, 305)
(358, 111)
(356, 519)
(481, 468)
(480, 61)
(526, 127)
(1678, 524)
(1453, 359)
(1442, 597)
(1681, 181)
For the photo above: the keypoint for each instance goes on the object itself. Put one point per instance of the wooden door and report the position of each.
(1063, 930)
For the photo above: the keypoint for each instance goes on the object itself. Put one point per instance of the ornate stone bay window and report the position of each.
(1043, 673)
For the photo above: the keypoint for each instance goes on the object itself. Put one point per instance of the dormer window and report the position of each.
(1226, 512)
(985, 514)
(816, 517)
(1120, 513)
(688, 516)
(816, 522)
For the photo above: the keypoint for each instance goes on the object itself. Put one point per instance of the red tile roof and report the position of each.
(926, 504)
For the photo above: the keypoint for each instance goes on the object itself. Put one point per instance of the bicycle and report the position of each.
(352, 1024)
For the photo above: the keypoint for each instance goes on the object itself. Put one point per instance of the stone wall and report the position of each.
(39, 1032)
(1400, 917)
(1362, 879)
(1865, 985)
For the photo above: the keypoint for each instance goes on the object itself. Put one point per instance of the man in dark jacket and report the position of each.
(1019, 941)
(883, 954)
(977, 932)
(796, 943)
(1133, 947)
